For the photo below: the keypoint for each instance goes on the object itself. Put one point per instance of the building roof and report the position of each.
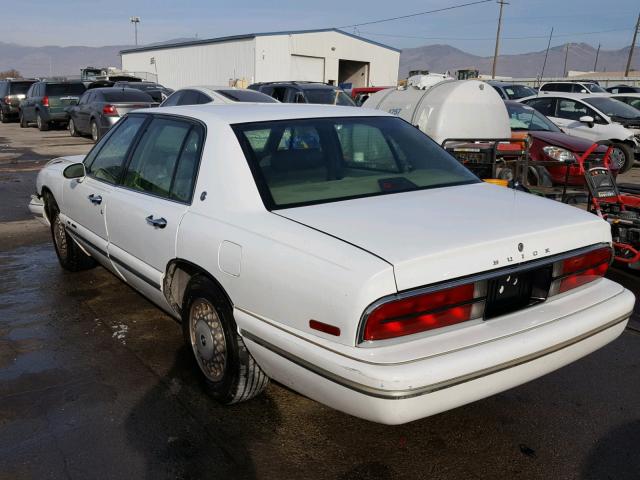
(249, 36)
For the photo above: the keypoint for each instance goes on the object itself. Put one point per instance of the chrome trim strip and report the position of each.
(427, 389)
(476, 277)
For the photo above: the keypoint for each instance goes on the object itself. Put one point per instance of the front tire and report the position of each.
(230, 373)
(71, 257)
(42, 125)
(622, 157)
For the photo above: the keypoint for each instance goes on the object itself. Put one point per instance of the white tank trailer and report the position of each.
(461, 109)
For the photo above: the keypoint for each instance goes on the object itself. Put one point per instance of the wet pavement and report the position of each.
(95, 383)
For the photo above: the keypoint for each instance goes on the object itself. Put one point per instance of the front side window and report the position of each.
(302, 162)
(166, 157)
(173, 100)
(572, 110)
(107, 164)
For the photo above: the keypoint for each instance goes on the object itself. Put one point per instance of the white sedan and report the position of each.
(200, 95)
(595, 117)
(338, 251)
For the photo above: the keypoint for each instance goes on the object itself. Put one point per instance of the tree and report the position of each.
(13, 73)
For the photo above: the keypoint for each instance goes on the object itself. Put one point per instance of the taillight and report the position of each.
(109, 110)
(45, 101)
(580, 270)
(427, 311)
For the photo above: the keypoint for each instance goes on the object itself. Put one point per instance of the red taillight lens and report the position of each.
(426, 311)
(109, 110)
(580, 270)
(45, 101)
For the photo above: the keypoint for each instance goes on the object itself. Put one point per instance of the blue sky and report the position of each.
(75, 22)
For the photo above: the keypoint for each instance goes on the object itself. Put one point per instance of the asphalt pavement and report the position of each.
(95, 383)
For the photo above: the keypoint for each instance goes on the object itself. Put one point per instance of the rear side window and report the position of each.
(173, 100)
(126, 96)
(107, 164)
(165, 160)
(17, 88)
(193, 97)
(546, 106)
(57, 89)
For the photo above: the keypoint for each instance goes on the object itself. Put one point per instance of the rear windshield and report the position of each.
(525, 118)
(303, 162)
(595, 88)
(328, 96)
(16, 88)
(57, 89)
(127, 96)
(246, 96)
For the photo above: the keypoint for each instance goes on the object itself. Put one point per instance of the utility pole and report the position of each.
(495, 53)
(135, 21)
(566, 55)
(633, 44)
(595, 65)
(546, 54)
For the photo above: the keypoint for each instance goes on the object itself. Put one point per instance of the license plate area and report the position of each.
(515, 291)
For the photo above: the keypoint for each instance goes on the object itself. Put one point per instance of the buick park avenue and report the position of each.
(338, 251)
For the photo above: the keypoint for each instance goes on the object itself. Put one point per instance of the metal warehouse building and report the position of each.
(329, 55)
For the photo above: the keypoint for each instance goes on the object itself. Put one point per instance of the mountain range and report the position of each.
(52, 60)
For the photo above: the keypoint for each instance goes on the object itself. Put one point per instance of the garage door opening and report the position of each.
(353, 72)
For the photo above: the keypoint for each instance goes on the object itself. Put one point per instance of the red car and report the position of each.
(360, 94)
(550, 144)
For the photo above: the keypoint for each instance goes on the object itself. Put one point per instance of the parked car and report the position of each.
(12, 90)
(572, 87)
(368, 271)
(45, 103)
(362, 94)
(623, 89)
(511, 91)
(158, 92)
(215, 94)
(100, 108)
(550, 144)
(632, 99)
(594, 117)
(304, 92)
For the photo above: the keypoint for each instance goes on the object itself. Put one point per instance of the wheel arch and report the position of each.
(178, 274)
(48, 208)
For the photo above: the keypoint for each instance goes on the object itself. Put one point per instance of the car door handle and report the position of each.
(156, 222)
(95, 199)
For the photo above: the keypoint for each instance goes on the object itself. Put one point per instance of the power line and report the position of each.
(493, 38)
(416, 14)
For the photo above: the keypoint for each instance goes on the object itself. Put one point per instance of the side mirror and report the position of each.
(75, 170)
(588, 119)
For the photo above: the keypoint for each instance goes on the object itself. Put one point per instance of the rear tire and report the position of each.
(23, 122)
(230, 373)
(622, 157)
(3, 117)
(72, 128)
(71, 257)
(42, 125)
(95, 131)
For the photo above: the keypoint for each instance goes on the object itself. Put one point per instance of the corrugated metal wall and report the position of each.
(211, 64)
(265, 58)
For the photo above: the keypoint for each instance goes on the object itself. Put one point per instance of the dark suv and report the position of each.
(304, 92)
(11, 92)
(46, 102)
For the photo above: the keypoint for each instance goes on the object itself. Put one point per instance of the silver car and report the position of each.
(100, 108)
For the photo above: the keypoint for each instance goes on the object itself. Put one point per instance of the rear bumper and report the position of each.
(399, 392)
(49, 116)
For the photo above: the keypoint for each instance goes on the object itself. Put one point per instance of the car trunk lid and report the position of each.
(123, 108)
(430, 236)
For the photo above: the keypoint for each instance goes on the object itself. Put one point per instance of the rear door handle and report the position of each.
(95, 199)
(156, 222)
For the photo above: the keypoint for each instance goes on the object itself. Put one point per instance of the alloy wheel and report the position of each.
(618, 158)
(207, 339)
(94, 131)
